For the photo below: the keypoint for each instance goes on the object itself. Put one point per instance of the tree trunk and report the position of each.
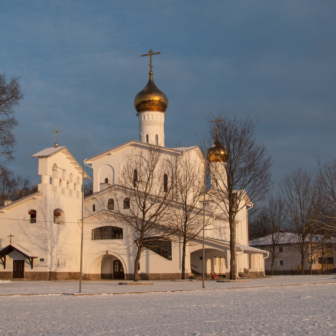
(302, 266)
(233, 275)
(136, 264)
(183, 257)
(273, 258)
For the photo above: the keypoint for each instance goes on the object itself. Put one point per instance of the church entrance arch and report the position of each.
(112, 268)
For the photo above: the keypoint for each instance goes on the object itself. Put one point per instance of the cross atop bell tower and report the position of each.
(150, 54)
(56, 132)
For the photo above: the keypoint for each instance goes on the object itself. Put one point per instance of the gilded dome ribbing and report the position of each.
(217, 152)
(151, 98)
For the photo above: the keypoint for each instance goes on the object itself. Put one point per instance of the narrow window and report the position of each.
(281, 263)
(32, 214)
(106, 180)
(110, 204)
(165, 182)
(126, 203)
(94, 207)
(58, 216)
(147, 138)
(156, 140)
(281, 249)
(135, 178)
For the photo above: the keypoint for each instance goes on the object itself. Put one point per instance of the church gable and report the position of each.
(107, 165)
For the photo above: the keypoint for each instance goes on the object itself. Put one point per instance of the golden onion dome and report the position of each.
(151, 98)
(217, 152)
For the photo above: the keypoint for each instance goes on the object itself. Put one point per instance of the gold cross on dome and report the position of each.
(57, 131)
(216, 121)
(150, 54)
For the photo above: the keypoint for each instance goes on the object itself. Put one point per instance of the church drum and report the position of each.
(118, 270)
(18, 269)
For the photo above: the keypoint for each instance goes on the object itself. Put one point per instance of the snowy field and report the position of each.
(108, 286)
(291, 310)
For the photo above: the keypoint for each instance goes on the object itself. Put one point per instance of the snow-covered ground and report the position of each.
(291, 310)
(108, 286)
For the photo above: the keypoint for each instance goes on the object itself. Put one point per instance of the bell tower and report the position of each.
(151, 104)
(217, 156)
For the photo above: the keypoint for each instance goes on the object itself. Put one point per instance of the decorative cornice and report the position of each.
(151, 123)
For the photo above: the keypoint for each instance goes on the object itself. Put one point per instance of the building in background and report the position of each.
(288, 256)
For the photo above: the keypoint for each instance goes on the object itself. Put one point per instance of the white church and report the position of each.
(40, 234)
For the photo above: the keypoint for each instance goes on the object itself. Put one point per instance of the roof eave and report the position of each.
(73, 161)
(129, 143)
(21, 200)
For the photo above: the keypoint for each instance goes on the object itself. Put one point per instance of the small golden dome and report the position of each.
(151, 98)
(217, 152)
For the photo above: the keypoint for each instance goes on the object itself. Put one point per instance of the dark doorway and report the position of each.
(118, 270)
(18, 269)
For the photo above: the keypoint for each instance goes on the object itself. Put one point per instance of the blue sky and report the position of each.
(80, 67)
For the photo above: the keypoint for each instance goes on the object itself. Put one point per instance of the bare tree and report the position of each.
(327, 180)
(10, 95)
(244, 173)
(301, 192)
(88, 188)
(143, 197)
(257, 223)
(13, 187)
(272, 218)
(185, 216)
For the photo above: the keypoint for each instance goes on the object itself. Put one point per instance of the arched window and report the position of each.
(58, 216)
(94, 207)
(110, 204)
(165, 182)
(147, 138)
(32, 215)
(107, 232)
(156, 140)
(160, 246)
(135, 178)
(126, 203)
(106, 180)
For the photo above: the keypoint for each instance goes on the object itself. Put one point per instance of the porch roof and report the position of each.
(12, 247)
(240, 247)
